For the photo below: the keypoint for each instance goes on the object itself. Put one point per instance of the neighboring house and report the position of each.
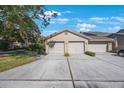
(103, 34)
(74, 42)
(119, 36)
(17, 45)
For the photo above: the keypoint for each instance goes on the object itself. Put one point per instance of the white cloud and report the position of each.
(121, 19)
(85, 29)
(106, 19)
(85, 26)
(114, 29)
(99, 18)
(51, 13)
(114, 20)
(111, 22)
(60, 20)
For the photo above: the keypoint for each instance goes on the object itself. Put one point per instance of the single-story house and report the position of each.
(119, 39)
(73, 42)
(96, 33)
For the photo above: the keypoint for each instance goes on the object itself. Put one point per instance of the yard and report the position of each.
(16, 59)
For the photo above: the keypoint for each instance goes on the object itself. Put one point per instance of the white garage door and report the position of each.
(57, 49)
(97, 47)
(76, 47)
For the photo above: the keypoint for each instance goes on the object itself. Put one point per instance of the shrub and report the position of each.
(4, 45)
(39, 48)
(90, 53)
(113, 51)
(66, 54)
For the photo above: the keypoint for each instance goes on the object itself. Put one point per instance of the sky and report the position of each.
(85, 18)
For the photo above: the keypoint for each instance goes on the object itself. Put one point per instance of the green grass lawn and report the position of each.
(16, 59)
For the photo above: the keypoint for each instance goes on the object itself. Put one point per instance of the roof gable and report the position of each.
(72, 32)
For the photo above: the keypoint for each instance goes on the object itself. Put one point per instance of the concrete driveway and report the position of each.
(104, 70)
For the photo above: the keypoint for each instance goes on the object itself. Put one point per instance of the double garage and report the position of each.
(73, 47)
(74, 43)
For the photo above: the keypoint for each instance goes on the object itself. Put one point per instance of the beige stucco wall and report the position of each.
(110, 46)
(47, 47)
(66, 37)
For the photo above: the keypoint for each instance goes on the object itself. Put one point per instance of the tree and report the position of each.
(16, 22)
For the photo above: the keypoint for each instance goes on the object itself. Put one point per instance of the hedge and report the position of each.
(90, 53)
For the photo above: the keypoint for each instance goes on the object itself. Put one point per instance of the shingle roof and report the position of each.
(121, 34)
(100, 38)
(121, 31)
(97, 36)
(95, 33)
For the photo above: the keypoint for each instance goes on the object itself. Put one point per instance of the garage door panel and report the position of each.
(57, 49)
(76, 47)
(97, 47)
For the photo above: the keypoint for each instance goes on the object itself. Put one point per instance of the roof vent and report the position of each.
(66, 33)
